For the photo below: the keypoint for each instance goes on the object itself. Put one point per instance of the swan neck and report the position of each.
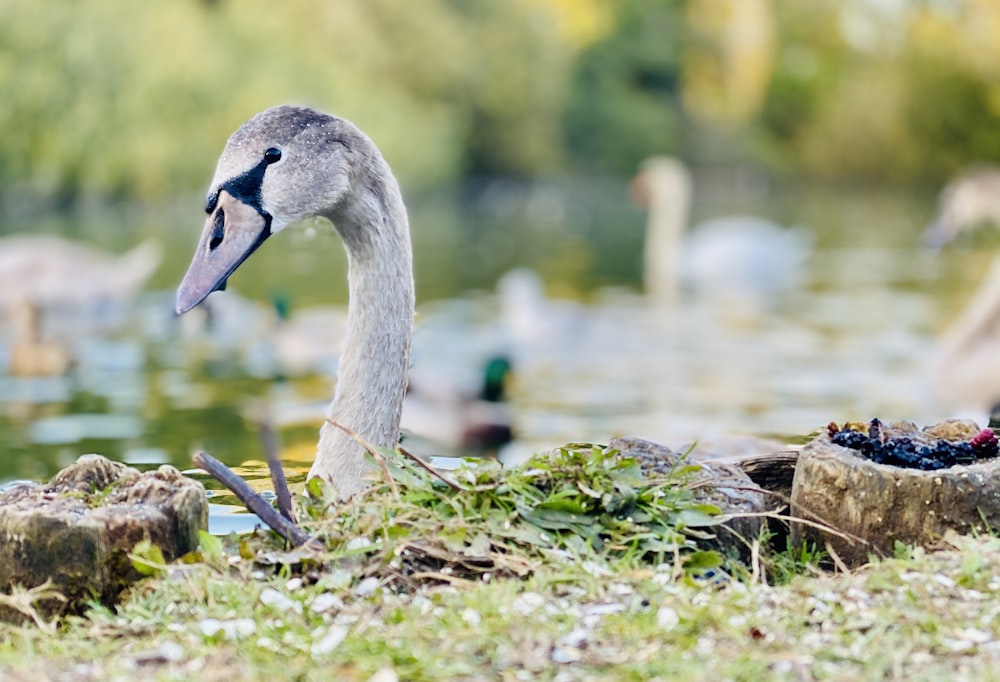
(373, 369)
(666, 224)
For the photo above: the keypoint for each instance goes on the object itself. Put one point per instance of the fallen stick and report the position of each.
(273, 451)
(375, 454)
(428, 468)
(253, 501)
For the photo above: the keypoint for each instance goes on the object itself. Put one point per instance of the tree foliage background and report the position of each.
(133, 100)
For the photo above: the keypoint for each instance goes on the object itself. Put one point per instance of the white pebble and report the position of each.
(574, 638)
(230, 629)
(565, 654)
(366, 586)
(667, 618)
(384, 675)
(324, 602)
(279, 601)
(528, 602)
(603, 609)
(358, 543)
(330, 641)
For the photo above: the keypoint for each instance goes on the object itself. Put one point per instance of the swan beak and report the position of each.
(232, 232)
(936, 235)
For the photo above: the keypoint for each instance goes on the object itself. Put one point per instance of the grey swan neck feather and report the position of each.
(280, 167)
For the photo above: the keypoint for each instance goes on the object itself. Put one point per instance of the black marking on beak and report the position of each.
(246, 187)
(218, 230)
(218, 253)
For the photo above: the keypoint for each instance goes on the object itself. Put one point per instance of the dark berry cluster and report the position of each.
(902, 451)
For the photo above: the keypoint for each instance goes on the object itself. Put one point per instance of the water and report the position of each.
(593, 359)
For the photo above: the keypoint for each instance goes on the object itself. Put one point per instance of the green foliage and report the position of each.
(137, 99)
(928, 617)
(582, 502)
(147, 558)
(804, 559)
(209, 544)
(950, 116)
(625, 101)
(905, 108)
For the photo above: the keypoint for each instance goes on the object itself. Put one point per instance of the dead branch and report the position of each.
(253, 501)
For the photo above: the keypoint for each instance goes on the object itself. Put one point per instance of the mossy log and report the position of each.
(873, 506)
(77, 530)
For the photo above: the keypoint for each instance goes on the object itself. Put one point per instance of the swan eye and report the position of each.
(218, 231)
(272, 155)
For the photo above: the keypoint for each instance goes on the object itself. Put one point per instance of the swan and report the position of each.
(966, 371)
(48, 282)
(734, 256)
(968, 201)
(289, 163)
(528, 316)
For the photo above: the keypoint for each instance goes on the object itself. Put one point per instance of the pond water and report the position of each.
(593, 358)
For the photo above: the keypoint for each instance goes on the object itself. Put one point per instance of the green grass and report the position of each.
(423, 596)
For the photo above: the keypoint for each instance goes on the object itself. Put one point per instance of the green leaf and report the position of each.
(211, 546)
(565, 504)
(147, 558)
(695, 518)
(702, 560)
(554, 519)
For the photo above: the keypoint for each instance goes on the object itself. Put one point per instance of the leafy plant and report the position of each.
(579, 503)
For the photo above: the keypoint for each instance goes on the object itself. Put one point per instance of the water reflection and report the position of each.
(593, 357)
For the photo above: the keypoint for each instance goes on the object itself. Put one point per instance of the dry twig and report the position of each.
(376, 455)
(253, 501)
(272, 450)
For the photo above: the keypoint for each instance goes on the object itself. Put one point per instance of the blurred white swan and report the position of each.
(735, 256)
(966, 371)
(48, 282)
(969, 201)
(528, 316)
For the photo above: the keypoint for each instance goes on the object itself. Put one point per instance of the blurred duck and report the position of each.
(967, 202)
(30, 353)
(309, 340)
(47, 281)
(271, 340)
(465, 424)
(966, 372)
(735, 256)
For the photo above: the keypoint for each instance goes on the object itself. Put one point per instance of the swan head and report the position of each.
(283, 165)
(967, 202)
(661, 180)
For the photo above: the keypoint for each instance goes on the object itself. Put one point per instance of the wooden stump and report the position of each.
(78, 529)
(877, 505)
